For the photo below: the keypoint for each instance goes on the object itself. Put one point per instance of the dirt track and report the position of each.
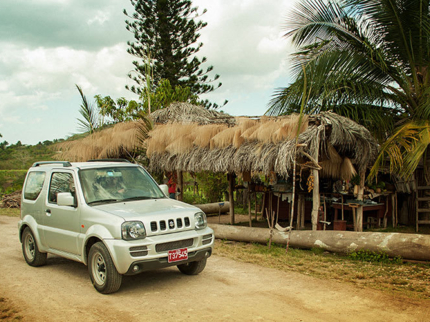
(225, 291)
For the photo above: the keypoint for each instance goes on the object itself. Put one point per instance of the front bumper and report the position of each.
(152, 252)
(145, 265)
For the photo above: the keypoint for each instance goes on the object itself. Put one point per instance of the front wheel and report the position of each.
(31, 252)
(193, 268)
(102, 270)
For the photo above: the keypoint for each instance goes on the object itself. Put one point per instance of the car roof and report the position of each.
(79, 165)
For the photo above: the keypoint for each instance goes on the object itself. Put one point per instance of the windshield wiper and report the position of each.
(138, 198)
(103, 201)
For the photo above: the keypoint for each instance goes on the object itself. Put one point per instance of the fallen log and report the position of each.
(408, 246)
(214, 208)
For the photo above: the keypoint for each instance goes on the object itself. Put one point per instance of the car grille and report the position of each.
(173, 245)
(170, 224)
(138, 251)
(206, 239)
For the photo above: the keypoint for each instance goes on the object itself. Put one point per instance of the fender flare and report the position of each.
(94, 234)
(30, 222)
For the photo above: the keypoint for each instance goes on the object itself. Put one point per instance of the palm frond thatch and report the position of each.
(192, 139)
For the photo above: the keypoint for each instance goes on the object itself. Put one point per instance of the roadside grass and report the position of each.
(10, 212)
(7, 312)
(394, 276)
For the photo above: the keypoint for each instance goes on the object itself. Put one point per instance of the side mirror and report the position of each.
(65, 199)
(165, 189)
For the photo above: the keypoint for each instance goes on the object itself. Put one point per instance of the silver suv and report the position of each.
(111, 216)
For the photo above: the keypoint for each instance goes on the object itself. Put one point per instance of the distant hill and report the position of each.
(21, 157)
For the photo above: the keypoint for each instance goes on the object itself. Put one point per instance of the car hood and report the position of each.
(149, 209)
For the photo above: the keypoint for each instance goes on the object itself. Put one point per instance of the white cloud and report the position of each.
(42, 78)
(101, 17)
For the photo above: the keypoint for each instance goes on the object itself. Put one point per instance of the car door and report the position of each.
(61, 224)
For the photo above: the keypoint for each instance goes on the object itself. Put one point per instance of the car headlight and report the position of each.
(200, 220)
(133, 230)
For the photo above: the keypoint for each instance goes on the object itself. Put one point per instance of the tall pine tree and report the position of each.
(166, 31)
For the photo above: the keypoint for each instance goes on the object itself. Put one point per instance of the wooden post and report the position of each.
(180, 186)
(343, 215)
(255, 197)
(302, 220)
(277, 209)
(249, 207)
(354, 216)
(359, 222)
(263, 205)
(231, 180)
(325, 212)
(395, 199)
(270, 202)
(299, 211)
(316, 191)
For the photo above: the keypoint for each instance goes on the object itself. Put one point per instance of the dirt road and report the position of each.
(225, 291)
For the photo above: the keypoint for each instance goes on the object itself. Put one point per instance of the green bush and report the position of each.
(193, 199)
(212, 185)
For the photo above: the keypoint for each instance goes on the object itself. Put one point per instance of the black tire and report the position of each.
(193, 268)
(102, 270)
(31, 252)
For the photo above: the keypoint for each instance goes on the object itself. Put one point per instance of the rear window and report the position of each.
(34, 185)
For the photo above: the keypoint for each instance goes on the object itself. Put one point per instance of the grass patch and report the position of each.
(10, 212)
(369, 256)
(406, 279)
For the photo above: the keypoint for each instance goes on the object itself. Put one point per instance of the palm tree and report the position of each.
(89, 123)
(368, 60)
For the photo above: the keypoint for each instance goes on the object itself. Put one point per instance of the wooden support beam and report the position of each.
(231, 183)
(181, 186)
(302, 219)
(316, 190)
(249, 207)
(358, 226)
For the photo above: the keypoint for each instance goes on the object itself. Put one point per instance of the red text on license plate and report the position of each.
(178, 255)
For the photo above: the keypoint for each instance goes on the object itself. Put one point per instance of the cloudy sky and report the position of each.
(48, 46)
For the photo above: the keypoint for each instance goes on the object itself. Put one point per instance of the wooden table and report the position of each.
(380, 207)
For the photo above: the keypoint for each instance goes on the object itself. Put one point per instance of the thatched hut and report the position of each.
(193, 139)
(188, 138)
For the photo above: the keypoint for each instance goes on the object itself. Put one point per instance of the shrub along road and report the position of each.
(225, 291)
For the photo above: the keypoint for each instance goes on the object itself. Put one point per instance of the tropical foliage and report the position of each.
(368, 60)
(165, 94)
(117, 111)
(89, 122)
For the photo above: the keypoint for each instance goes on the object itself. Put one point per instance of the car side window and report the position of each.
(34, 185)
(60, 182)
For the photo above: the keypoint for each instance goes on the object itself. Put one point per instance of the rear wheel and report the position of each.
(193, 268)
(102, 270)
(31, 252)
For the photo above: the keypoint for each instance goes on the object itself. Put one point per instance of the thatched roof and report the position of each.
(193, 139)
(221, 143)
(113, 142)
(188, 113)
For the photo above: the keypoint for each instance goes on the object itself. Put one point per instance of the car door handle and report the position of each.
(48, 212)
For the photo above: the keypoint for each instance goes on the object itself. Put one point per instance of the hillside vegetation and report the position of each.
(21, 157)
(16, 159)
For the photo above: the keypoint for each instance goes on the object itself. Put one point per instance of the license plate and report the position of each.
(178, 255)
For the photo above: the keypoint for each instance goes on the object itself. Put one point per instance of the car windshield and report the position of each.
(115, 184)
